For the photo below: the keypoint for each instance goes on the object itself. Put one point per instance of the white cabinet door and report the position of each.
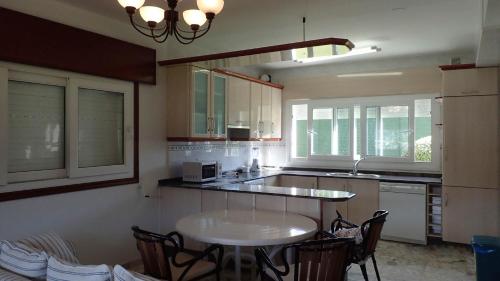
(468, 212)
(365, 203)
(471, 141)
(266, 112)
(276, 113)
(238, 97)
(474, 81)
(218, 100)
(298, 181)
(330, 208)
(255, 110)
(201, 119)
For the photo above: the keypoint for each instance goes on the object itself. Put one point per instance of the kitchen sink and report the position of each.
(358, 175)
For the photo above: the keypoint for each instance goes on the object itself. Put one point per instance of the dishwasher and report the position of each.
(406, 203)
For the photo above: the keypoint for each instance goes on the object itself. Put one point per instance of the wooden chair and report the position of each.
(164, 257)
(317, 260)
(370, 231)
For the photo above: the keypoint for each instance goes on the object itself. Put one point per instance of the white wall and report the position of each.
(98, 221)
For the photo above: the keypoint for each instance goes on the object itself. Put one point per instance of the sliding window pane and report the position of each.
(100, 128)
(423, 131)
(342, 133)
(357, 132)
(299, 130)
(322, 131)
(36, 127)
(387, 131)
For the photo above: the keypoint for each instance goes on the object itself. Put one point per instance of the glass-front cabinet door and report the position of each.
(219, 97)
(201, 120)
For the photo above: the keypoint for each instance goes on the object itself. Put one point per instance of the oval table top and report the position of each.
(247, 227)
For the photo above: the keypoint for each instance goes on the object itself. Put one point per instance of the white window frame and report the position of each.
(71, 174)
(44, 80)
(372, 162)
(128, 124)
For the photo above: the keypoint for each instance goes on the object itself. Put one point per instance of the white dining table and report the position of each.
(246, 228)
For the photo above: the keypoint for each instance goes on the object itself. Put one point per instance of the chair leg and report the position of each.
(363, 270)
(376, 268)
(217, 275)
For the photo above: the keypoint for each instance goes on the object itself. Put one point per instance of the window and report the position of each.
(396, 129)
(63, 128)
(100, 128)
(331, 131)
(36, 127)
(101, 140)
(299, 131)
(387, 131)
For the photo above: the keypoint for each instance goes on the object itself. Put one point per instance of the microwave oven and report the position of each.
(199, 171)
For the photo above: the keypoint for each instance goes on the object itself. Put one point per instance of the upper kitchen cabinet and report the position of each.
(196, 103)
(265, 112)
(276, 113)
(238, 102)
(470, 82)
(471, 141)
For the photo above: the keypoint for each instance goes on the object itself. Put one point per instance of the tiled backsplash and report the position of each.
(231, 154)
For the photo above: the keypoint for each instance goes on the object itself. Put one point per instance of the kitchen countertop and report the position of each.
(237, 184)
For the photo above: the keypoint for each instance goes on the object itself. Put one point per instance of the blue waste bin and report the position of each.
(487, 253)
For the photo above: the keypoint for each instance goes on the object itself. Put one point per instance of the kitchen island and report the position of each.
(316, 194)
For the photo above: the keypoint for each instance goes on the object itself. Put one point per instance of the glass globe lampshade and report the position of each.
(210, 6)
(131, 3)
(152, 14)
(194, 17)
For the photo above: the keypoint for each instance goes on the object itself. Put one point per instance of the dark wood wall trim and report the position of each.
(457, 66)
(255, 51)
(35, 41)
(38, 192)
(246, 77)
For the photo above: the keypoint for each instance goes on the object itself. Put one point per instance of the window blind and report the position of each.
(100, 128)
(36, 127)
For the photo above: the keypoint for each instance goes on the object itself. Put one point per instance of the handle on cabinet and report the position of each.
(445, 195)
(213, 125)
(209, 123)
(272, 127)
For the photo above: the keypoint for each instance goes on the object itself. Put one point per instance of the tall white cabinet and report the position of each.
(471, 135)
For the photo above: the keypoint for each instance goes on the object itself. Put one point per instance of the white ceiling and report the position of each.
(399, 27)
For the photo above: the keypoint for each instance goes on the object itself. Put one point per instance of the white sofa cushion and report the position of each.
(121, 274)
(9, 276)
(23, 260)
(53, 245)
(58, 270)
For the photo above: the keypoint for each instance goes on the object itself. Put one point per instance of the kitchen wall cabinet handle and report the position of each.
(272, 127)
(445, 195)
(209, 123)
(213, 125)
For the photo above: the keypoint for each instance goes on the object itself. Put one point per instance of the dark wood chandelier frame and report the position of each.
(170, 26)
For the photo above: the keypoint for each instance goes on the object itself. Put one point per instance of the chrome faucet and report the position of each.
(355, 166)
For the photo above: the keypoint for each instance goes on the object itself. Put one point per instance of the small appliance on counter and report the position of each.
(219, 169)
(255, 166)
(199, 171)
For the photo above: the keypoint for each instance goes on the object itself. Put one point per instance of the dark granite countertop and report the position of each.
(324, 195)
(237, 184)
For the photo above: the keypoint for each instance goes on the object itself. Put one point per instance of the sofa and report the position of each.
(50, 257)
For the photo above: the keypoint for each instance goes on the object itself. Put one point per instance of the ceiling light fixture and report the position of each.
(164, 23)
(353, 52)
(373, 74)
